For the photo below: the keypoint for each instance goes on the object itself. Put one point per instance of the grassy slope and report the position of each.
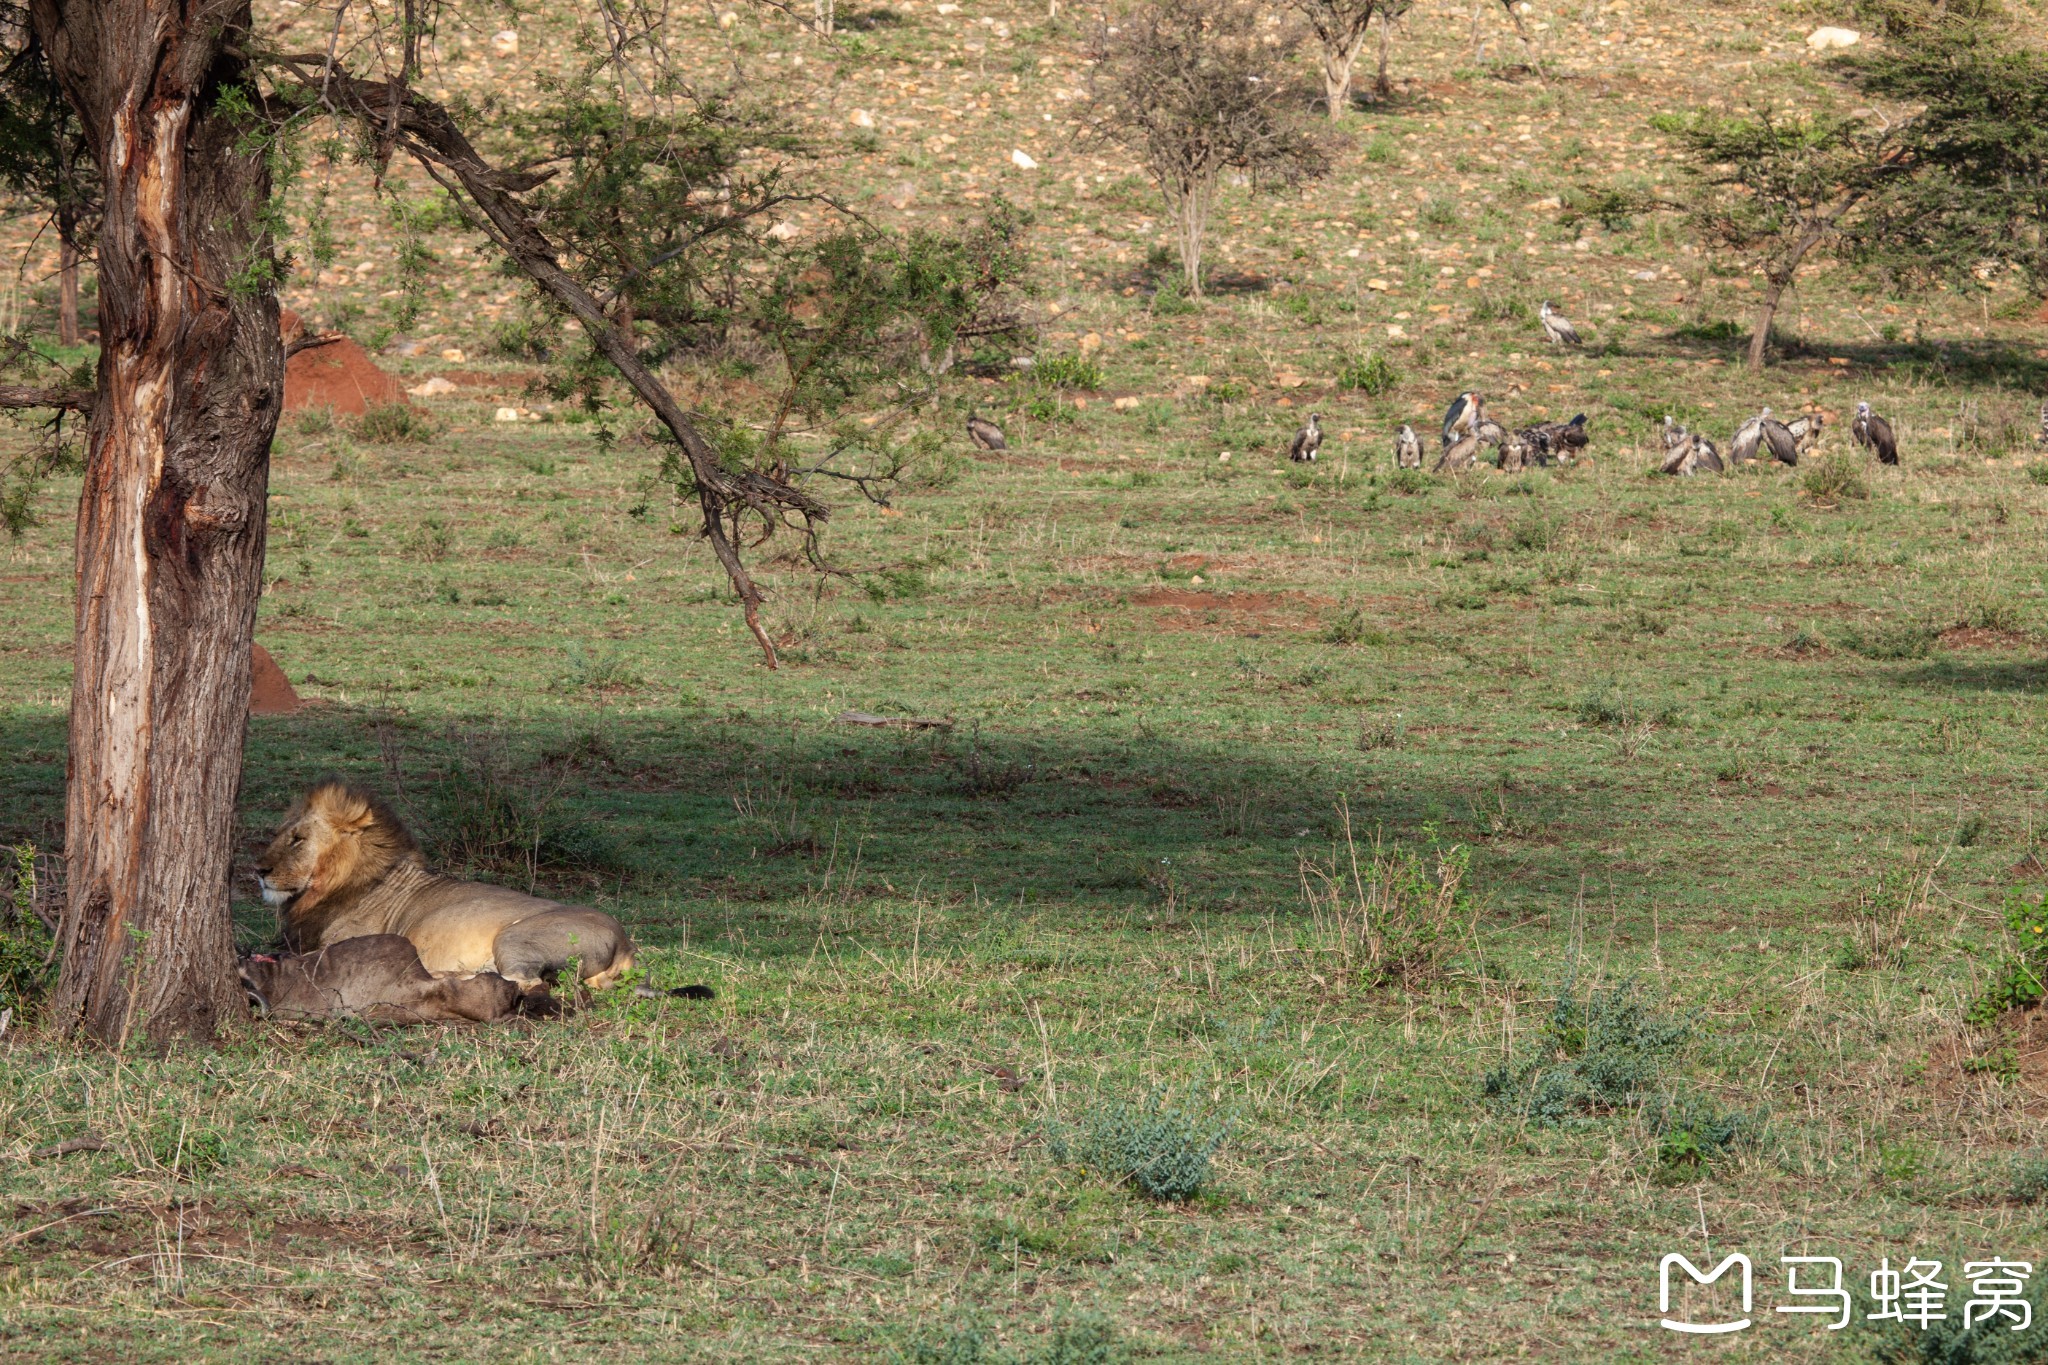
(1632, 699)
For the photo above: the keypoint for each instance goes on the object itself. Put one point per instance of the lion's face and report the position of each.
(332, 839)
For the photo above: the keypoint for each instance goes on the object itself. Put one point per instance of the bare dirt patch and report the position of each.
(1977, 637)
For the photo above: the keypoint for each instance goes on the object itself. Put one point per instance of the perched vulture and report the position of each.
(1560, 331)
(1407, 448)
(1705, 456)
(1554, 441)
(1514, 453)
(1779, 440)
(1742, 447)
(1806, 431)
(1873, 433)
(1490, 431)
(1680, 459)
(1675, 434)
(2043, 437)
(1458, 455)
(1464, 415)
(1308, 440)
(985, 434)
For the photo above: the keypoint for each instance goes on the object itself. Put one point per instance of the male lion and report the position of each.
(343, 867)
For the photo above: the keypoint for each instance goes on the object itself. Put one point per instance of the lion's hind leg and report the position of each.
(542, 945)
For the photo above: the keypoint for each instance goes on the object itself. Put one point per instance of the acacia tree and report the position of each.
(1192, 89)
(1390, 12)
(1769, 189)
(643, 217)
(1341, 28)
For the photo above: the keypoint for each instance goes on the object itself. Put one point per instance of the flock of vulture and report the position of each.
(1690, 452)
(1467, 428)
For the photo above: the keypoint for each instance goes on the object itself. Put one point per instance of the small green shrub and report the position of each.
(396, 424)
(1082, 1339)
(1351, 629)
(1899, 640)
(1066, 372)
(1599, 1053)
(1835, 477)
(2038, 471)
(2029, 1179)
(1162, 1145)
(1501, 306)
(28, 958)
(1692, 1133)
(2021, 975)
(1992, 612)
(1534, 530)
(903, 584)
(314, 421)
(431, 540)
(1409, 482)
(1371, 374)
(1170, 297)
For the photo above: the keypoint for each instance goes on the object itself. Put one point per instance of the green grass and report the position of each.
(1720, 739)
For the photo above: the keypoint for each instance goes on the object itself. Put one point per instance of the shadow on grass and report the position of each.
(750, 825)
(1972, 675)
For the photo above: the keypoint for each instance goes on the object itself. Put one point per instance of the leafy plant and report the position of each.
(1834, 477)
(2021, 976)
(1390, 915)
(1599, 1052)
(1371, 374)
(1897, 640)
(395, 424)
(28, 955)
(431, 540)
(1066, 372)
(1161, 1145)
(1693, 1132)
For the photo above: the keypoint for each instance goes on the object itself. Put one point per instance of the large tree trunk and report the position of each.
(1338, 63)
(171, 519)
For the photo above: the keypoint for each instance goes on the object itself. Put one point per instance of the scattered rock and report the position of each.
(1378, 285)
(1022, 160)
(453, 355)
(1091, 343)
(270, 692)
(433, 388)
(505, 43)
(1822, 39)
(900, 195)
(783, 230)
(505, 415)
(728, 18)
(862, 119)
(1126, 403)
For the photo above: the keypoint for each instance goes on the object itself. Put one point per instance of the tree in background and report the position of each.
(42, 155)
(1770, 188)
(1192, 89)
(1341, 28)
(1391, 12)
(1968, 189)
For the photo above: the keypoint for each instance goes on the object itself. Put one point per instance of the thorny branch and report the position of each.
(424, 130)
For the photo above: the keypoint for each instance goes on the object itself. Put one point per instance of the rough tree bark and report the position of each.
(171, 519)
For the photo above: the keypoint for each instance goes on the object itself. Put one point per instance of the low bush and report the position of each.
(1161, 1145)
(1835, 477)
(2020, 977)
(396, 424)
(1599, 1053)
(1389, 914)
(28, 957)
(1371, 374)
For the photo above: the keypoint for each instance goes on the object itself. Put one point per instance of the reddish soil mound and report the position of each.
(338, 375)
(2011, 1065)
(272, 694)
(1976, 637)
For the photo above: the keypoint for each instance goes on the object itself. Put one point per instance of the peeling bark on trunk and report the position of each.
(171, 518)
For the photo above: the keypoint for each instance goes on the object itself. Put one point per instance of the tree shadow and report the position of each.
(1972, 675)
(692, 826)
